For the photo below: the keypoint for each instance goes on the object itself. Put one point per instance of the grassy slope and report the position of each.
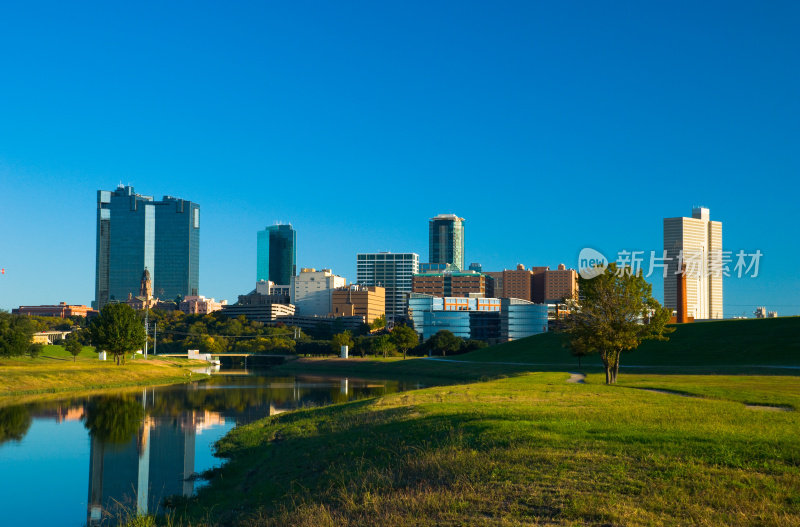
(531, 448)
(54, 371)
(719, 344)
(515, 451)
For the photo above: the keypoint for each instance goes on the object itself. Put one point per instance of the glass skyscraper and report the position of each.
(446, 240)
(135, 233)
(277, 254)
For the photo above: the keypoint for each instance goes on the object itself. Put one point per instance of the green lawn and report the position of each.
(523, 448)
(54, 371)
(741, 345)
(518, 451)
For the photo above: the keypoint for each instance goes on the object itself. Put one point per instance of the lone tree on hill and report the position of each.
(117, 330)
(404, 338)
(73, 346)
(615, 313)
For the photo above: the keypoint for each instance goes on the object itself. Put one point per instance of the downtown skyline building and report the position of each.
(276, 258)
(696, 244)
(446, 240)
(392, 271)
(136, 233)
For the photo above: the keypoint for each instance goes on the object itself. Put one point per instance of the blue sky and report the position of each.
(549, 126)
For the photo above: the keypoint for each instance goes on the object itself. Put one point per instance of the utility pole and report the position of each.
(146, 330)
(155, 337)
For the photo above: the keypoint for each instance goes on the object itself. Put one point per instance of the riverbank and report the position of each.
(524, 449)
(55, 372)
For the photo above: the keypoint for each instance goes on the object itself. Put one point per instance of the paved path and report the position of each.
(577, 378)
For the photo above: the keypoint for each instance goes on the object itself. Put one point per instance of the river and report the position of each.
(84, 461)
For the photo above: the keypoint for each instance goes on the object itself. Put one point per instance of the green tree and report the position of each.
(16, 332)
(35, 349)
(345, 338)
(444, 341)
(118, 330)
(378, 323)
(73, 346)
(383, 344)
(615, 313)
(404, 338)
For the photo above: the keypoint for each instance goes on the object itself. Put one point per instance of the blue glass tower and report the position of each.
(276, 254)
(136, 233)
(446, 240)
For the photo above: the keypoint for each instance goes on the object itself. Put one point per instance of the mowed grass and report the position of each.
(54, 372)
(415, 368)
(529, 449)
(752, 345)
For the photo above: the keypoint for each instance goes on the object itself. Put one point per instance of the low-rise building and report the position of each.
(49, 337)
(62, 310)
(267, 312)
(488, 319)
(200, 305)
(313, 323)
(368, 302)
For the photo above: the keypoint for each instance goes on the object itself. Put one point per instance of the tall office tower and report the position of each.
(695, 242)
(446, 240)
(136, 233)
(277, 254)
(392, 271)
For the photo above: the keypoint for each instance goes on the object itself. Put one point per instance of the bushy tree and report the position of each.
(404, 338)
(35, 349)
(444, 341)
(615, 313)
(345, 338)
(73, 346)
(472, 345)
(118, 330)
(378, 323)
(16, 332)
(382, 344)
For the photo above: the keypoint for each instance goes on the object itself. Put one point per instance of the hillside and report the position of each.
(753, 342)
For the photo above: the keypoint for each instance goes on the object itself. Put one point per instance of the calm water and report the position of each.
(76, 461)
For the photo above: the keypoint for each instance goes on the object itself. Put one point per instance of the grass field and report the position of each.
(55, 372)
(522, 448)
(529, 449)
(754, 344)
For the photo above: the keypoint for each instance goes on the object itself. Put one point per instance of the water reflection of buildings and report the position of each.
(158, 459)
(156, 463)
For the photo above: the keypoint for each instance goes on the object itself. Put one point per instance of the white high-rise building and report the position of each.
(392, 271)
(312, 291)
(695, 242)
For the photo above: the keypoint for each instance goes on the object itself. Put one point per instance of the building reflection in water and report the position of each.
(142, 445)
(155, 463)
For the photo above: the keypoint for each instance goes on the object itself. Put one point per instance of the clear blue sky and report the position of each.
(549, 126)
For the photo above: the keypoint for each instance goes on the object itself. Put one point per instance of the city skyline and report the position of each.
(655, 281)
(551, 129)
